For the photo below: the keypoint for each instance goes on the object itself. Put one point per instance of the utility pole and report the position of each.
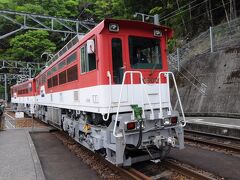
(211, 39)
(5, 86)
(210, 11)
(178, 59)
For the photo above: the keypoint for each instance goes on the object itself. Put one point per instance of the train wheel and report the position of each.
(97, 119)
(74, 133)
(102, 152)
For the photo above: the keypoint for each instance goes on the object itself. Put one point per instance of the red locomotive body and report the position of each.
(24, 89)
(110, 87)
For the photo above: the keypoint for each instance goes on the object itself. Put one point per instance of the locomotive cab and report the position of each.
(138, 80)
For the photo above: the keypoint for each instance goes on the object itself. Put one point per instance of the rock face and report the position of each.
(220, 71)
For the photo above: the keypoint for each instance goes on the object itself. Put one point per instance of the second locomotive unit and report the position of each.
(110, 90)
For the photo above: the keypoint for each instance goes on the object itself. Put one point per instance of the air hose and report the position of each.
(138, 115)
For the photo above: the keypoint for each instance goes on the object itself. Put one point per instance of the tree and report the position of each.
(30, 46)
(101, 9)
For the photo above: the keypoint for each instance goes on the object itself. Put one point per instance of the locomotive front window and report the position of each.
(144, 53)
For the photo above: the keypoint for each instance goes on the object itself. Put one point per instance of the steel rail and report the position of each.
(128, 173)
(135, 174)
(212, 134)
(186, 171)
(231, 147)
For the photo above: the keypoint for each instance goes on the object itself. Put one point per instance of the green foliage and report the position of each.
(7, 4)
(71, 7)
(156, 10)
(171, 45)
(2, 89)
(30, 8)
(186, 21)
(107, 8)
(31, 45)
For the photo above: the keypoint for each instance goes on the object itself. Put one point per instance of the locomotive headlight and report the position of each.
(113, 27)
(166, 121)
(157, 33)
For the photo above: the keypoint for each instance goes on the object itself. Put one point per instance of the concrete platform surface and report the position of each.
(58, 162)
(18, 157)
(215, 121)
(215, 125)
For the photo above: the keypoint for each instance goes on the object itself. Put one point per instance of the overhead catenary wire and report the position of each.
(201, 14)
(188, 9)
(180, 9)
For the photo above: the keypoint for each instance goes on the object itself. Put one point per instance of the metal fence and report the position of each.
(214, 39)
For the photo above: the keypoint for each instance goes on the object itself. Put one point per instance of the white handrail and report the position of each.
(147, 99)
(160, 99)
(120, 97)
(110, 99)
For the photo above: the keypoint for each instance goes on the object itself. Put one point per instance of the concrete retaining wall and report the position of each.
(220, 71)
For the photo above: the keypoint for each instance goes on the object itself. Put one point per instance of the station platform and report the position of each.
(38, 155)
(226, 126)
(18, 157)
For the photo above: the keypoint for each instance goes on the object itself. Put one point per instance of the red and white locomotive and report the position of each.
(109, 89)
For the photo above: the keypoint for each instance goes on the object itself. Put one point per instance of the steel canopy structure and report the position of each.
(35, 21)
(27, 21)
(10, 64)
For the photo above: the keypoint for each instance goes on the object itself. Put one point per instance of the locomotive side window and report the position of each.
(92, 61)
(62, 64)
(54, 69)
(50, 83)
(30, 87)
(55, 80)
(88, 61)
(49, 73)
(62, 77)
(144, 53)
(72, 73)
(44, 77)
(37, 84)
(117, 60)
(23, 89)
(83, 60)
(72, 58)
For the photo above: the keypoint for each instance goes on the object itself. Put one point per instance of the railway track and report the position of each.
(223, 142)
(133, 173)
(179, 168)
(171, 165)
(190, 173)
